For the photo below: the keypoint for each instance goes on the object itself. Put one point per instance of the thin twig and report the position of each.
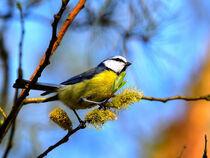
(205, 97)
(20, 76)
(181, 153)
(3, 113)
(44, 62)
(63, 140)
(33, 100)
(205, 148)
(67, 22)
(20, 71)
(5, 63)
(9, 145)
(4, 53)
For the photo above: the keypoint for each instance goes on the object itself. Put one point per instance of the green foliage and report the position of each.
(118, 83)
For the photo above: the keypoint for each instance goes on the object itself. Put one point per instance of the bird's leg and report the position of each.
(79, 119)
(94, 102)
(101, 103)
(82, 123)
(102, 106)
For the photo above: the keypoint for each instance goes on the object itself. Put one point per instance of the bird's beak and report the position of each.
(128, 63)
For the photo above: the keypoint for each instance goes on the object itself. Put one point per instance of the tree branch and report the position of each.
(3, 113)
(20, 76)
(44, 62)
(5, 76)
(9, 145)
(164, 100)
(63, 140)
(205, 148)
(33, 100)
(205, 97)
(182, 151)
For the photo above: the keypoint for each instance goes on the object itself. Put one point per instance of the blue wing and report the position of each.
(84, 76)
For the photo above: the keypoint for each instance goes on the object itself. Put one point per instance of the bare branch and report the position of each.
(20, 71)
(164, 100)
(205, 148)
(205, 97)
(20, 76)
(44, 62)
(9, 145)
(5, 76)
(33, 100)
(182, 151)
(63, 140)
(3, 113)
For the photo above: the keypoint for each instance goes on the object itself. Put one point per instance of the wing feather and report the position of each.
(84, 76)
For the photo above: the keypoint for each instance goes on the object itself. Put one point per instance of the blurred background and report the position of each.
(168, 43)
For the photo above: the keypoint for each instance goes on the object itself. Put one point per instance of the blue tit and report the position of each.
(85, 90)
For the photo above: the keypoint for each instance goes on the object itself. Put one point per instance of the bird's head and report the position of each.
(117, 64)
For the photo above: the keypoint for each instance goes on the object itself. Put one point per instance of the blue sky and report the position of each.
(161, 68)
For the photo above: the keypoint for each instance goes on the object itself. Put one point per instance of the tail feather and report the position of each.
(20, 83)
(52, 98)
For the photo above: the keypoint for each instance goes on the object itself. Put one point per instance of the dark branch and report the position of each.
(54, 43)
(4, 57)
(205, 148)
(20, 76)
(20, 71)
(63, 140)
(182, 151)
(9, 145)
(44, 62)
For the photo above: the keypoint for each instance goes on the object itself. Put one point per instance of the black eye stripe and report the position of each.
(118, 59)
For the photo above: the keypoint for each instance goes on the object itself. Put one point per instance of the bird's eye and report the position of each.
(118, 59)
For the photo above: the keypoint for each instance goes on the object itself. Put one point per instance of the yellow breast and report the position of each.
(96, 89)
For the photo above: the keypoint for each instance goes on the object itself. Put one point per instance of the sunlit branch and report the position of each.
(205, 97)
(3, 113)
(55, 40)
(33, 100)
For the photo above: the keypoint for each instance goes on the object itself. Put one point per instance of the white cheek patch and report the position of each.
(116, 66)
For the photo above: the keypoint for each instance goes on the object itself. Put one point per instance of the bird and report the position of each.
(85, 90)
